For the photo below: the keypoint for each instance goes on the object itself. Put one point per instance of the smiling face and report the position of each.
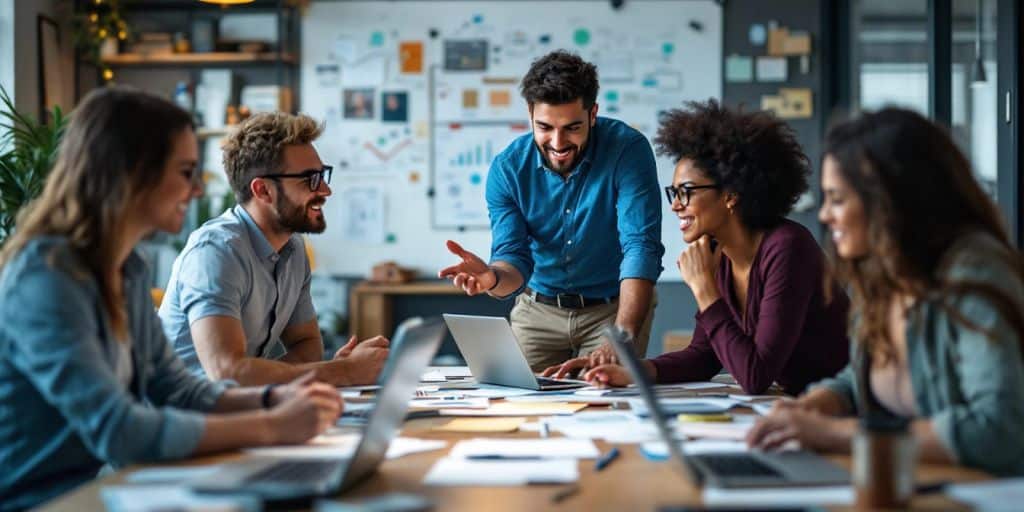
(164, 207)
(561, 132)
(708, 208)
(297, 207)
(842, 211)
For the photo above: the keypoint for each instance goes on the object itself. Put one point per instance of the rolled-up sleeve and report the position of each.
(984, 430)
(510, 240)
(60, 351)
(639, 212)
(210, 278)
(170, 383)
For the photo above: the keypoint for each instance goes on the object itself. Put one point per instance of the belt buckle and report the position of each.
(578, 297)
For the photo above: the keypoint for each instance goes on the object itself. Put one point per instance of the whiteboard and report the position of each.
(417, 97)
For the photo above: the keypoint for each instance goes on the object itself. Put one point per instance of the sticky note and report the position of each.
(481, 425)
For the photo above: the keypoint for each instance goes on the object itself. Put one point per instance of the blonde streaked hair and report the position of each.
(114, 150)
(256, 147)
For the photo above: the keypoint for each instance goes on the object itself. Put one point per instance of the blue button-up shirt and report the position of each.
(64, 410)
(228, 268)
(584, 233)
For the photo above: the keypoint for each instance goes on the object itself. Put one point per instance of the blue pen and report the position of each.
(606, 459)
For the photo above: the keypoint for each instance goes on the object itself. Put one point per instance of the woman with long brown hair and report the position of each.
(87, 377)
(937, 301)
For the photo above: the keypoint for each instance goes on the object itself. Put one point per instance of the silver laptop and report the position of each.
(728, 470)
(494, 356)
(293, 480)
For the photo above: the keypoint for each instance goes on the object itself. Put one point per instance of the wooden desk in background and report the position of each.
(370, 304)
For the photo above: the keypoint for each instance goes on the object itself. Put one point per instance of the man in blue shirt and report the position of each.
(575, 222)
(240, 287)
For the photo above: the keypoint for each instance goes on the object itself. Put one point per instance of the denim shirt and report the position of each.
(586, 232)
(63, 411)
(969, 384)
(228, 268)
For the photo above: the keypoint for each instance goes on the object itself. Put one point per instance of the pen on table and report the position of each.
(564, 494)
(544, 431)
(606, 459)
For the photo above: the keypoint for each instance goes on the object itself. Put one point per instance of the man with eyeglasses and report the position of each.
(238, 304)
(575, 222)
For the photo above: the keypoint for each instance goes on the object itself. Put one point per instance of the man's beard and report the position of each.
(292, 217)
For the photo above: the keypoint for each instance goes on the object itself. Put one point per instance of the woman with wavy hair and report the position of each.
(87, 377)
(756, 276)
(938, 301)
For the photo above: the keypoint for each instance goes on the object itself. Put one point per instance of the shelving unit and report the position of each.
(199, 59)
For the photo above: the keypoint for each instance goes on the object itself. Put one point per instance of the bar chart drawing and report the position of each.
(462, 157)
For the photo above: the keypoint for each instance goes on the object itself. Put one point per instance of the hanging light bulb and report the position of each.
(978, 78)
(227, 2)
(108, 74)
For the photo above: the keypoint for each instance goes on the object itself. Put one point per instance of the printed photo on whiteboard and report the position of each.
(358, 103)
(394, 106)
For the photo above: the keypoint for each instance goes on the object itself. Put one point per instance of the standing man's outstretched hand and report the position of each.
(471, 274)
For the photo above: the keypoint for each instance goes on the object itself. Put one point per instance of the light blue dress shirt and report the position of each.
(228, 268)
(64, 411)
(585, 233)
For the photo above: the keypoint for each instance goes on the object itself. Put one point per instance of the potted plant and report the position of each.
(28, 150)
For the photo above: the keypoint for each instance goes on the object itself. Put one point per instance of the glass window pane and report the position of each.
(975, 102)
(890, 54)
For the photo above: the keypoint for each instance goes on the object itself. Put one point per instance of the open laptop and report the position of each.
(293, 480)
(728, 470)
(494, 356)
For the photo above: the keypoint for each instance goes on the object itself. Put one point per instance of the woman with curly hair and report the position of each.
(938, 301)
(757, 278)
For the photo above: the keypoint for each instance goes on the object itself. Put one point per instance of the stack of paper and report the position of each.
(147, 498)
(520, 448)
(344, 446)
(998, 495)
(459, 471)
(673, 406)
(511, 462)
(517, 409)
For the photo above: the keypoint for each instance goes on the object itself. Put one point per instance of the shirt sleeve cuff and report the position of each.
(525, 270)
(640, 268)
(200, 311)
(181, 436)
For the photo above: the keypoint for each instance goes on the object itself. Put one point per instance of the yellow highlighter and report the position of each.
(697, 418)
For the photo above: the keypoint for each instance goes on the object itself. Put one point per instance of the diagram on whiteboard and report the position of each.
(463, 155)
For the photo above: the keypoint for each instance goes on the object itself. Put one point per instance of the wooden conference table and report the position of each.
(630, 483)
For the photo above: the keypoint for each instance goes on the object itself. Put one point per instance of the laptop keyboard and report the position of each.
(294, 471)
(737, 466)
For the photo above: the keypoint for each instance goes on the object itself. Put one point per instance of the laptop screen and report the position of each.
(623, 345)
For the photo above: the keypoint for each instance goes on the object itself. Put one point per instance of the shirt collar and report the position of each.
(260, 245)
(581, 166)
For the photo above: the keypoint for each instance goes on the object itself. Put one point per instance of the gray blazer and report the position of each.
(969, 384)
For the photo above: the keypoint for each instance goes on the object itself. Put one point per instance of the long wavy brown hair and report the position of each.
(114, 150)
(920, 199)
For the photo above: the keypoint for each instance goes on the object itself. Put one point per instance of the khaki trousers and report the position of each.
(550, 335)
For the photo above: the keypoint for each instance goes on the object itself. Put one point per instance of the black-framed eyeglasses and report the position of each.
(313, 176)
(683, 193)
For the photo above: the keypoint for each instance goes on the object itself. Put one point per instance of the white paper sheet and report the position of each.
(778, 497)
(147, 498)
(1003, 495)
(342, 446)
(170, 474)
(459, 471)
(612, 426)
(545, 448)
(685, 405)
(449, 401)
(658, 450)
(441, 373)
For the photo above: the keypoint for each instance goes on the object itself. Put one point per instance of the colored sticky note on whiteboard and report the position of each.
(739, 69)
(410, 57)
(771, 69)
(500, 98)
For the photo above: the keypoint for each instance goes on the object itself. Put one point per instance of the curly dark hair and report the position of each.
(752, 154)
(558, 78)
